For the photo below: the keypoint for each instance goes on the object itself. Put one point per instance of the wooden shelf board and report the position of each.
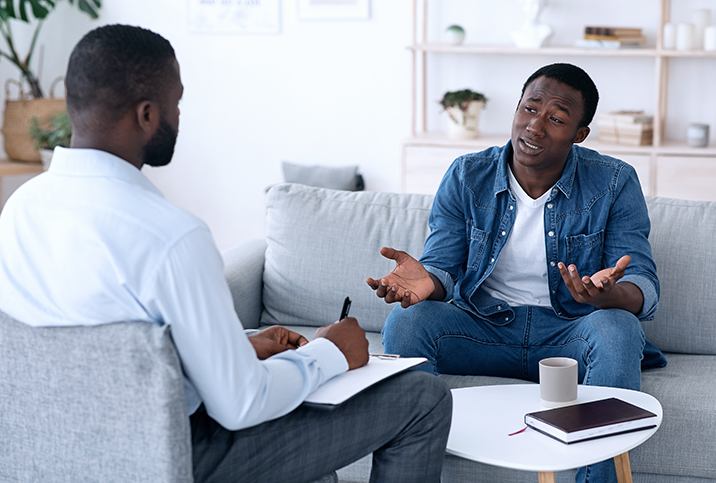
(564, 50)
(670, 148)
(13, 168)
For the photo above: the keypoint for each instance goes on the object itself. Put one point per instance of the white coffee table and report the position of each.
(483, 417)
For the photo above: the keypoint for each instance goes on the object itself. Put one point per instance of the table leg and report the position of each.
(546, 477)
(621, 463)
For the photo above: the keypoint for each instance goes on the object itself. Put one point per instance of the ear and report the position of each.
(147, 114)
(581, 135)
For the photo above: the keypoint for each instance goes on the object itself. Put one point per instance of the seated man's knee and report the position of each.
(406, 331)
(616, 328)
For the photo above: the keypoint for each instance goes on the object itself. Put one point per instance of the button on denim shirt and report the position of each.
(595, 214)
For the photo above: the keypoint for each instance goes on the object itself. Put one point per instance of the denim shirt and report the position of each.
(596, 213)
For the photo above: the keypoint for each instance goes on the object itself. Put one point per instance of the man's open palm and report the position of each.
(409, 283)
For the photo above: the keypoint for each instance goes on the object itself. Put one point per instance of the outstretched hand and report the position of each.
(274, 340)
(409, 283)
(597, 289)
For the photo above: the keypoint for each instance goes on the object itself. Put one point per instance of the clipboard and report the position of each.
(341, 388)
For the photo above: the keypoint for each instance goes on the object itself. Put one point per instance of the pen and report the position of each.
(346, 308)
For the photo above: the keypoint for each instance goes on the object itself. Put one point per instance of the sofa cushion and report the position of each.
(686, 392)
(682, 239)
(101, 403)
(323, 244)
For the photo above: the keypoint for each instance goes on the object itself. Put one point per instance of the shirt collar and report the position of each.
(565, 183)
(96, 163)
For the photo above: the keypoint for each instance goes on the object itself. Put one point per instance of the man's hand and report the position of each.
(409, 283)
(349, 337)
(274, 340)
(601, 289)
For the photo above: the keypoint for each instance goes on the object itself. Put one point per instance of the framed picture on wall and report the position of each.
(333, 9)
(235, 16)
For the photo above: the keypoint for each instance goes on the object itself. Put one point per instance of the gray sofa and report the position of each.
(322, 244)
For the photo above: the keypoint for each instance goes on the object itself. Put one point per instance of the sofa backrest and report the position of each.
(323, 244)
(683, 240)
(103, 403)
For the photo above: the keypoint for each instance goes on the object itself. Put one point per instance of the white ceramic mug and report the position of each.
(558, 381)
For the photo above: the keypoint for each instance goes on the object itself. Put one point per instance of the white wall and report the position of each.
(338, 92)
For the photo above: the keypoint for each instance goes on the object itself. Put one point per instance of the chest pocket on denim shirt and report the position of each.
(586, 252)
(478, 241)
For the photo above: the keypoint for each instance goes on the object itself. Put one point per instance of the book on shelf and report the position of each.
(613, 31)
(624, 39)
(603, 44)
(631, 128)
(591, 420)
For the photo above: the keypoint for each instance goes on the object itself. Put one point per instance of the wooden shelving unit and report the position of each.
(647, 159)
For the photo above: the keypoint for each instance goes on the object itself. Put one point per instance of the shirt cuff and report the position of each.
(328, 356)
(445, 279)
(648, 291)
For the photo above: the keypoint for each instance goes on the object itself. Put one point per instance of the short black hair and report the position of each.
(113, 68)
(577, 79)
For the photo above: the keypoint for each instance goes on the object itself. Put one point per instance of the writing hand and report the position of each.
(409, 283)
(349, 337)
(274, 340)
(597, 289)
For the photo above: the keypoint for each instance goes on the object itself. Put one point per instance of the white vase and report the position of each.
(465, 125)
(46, 157)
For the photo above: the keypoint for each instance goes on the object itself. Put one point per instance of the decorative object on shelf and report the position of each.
(58, 133)
(698, 135)
(333, 9)
(685, 36)
(18, 114)
(463, 108)
(701, 18)
(710, 38)
(454, 34)
(532, 34)
(669, 36)
(632, 128)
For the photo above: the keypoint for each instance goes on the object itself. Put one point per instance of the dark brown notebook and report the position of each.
(596, 419)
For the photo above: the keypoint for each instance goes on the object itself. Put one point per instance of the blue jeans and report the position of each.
(607, 344)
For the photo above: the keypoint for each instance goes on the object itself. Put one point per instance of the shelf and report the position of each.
(558, 51)
(670, 148)
(14, 168)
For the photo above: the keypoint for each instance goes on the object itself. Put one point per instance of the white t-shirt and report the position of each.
(520, 273)
(92, 241)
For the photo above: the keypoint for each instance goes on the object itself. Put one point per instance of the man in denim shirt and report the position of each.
(540, 249)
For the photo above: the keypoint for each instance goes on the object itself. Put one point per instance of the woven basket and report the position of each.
(19, 146)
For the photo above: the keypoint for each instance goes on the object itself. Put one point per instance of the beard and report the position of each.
(160, 148)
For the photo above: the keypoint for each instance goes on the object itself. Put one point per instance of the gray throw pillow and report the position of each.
(337, 178)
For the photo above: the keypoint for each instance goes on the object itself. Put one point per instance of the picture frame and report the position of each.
(333, 9)
(235, 16)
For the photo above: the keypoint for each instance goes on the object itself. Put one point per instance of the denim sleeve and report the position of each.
(447, 246)
(627, 233)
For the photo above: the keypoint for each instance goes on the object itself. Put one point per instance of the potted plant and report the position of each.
(463, 108)
(58, 133)
(18, 113)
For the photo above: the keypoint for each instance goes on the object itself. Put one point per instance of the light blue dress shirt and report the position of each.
(92, 241)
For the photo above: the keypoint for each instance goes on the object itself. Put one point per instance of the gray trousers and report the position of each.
(404, 421)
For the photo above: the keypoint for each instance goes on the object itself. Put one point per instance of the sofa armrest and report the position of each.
(244, 269)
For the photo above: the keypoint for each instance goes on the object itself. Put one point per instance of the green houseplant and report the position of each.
(58, 133)
(17, 10)
(19, 113)
(463, 108)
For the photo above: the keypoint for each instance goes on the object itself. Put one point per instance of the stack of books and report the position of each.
(632, 128)
(611, 38)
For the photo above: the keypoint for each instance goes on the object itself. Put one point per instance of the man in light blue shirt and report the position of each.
(92, 241)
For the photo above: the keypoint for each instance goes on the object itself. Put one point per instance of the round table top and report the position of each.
(484, 416)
